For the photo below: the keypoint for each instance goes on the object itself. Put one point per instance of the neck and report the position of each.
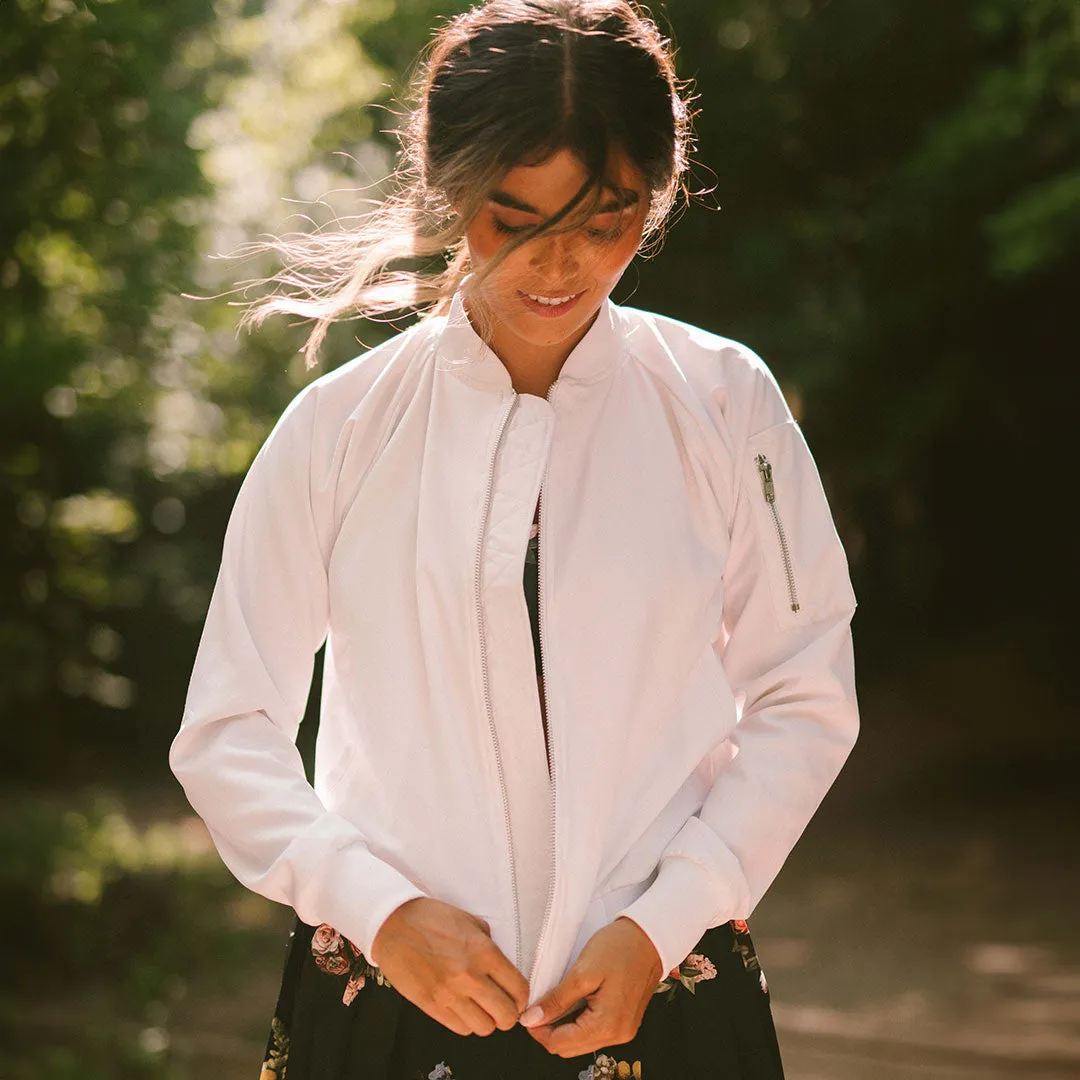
(533, 367)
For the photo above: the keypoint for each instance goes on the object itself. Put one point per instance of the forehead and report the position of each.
(549, 184)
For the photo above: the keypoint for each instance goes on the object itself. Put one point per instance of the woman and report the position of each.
(524, 854)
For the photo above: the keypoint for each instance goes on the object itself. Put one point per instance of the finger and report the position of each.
(450, 1019)
(479, 1021)
(576, 984)
(597, 1026)
(570, 1014)
(570, 1040)
(508, 978)
(562, 1044)
(565, 1046)
(495, 1001)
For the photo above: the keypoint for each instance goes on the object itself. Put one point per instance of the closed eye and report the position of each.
(503, 227)
(611, 216)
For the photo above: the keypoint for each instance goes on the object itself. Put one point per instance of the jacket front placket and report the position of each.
(487, 449)
(512, 679)
(521, 449)
(494, 444)
(464, 426)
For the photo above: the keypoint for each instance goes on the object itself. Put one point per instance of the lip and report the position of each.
(549, 311)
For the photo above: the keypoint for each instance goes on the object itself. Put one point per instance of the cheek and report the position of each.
(620, 254)
(483, 241)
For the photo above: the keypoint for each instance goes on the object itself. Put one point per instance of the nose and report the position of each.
(557, 257)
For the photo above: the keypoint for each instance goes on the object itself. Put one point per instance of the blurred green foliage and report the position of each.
(130, 914)
(899, 240)
(95, 231)
(894, 226)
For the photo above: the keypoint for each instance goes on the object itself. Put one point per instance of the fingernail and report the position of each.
(533, 1015)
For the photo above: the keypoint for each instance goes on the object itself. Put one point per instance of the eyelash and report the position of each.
(599, 234)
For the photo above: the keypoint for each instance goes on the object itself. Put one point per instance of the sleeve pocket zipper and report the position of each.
(767, 486)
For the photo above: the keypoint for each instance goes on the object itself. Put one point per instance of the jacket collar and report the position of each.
(461, 350)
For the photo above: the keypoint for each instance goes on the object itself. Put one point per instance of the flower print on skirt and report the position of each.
(338, 1017)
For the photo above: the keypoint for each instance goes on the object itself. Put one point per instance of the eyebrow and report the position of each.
(623, 197)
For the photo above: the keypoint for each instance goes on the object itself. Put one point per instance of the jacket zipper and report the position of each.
(765, 471)
(540, 544)
(484, 678)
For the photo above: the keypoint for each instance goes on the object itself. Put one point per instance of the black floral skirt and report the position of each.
(338, 1018)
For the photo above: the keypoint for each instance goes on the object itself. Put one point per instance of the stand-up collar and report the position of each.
(459, 348)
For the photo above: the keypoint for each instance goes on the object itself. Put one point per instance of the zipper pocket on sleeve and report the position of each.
(768, 488)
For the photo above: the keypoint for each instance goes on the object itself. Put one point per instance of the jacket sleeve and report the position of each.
(786, 648)
(235, 752)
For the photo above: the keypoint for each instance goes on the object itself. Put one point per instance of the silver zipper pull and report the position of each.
(765, 469)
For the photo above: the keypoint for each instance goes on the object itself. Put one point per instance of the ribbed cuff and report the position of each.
(356, 896)
(387, 903)
(675, 910)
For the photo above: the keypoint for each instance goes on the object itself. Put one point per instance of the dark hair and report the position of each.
(505, 83)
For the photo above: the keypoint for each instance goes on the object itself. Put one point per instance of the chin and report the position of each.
(541, 331)
(544, 335)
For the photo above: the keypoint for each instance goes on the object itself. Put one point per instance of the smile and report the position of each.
(550, 305)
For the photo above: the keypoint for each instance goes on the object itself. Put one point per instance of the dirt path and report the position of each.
(924, 926)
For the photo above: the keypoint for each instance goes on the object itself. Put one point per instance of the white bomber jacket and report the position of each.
(695, 631)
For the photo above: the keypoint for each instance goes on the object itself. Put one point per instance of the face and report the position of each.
(584, 264)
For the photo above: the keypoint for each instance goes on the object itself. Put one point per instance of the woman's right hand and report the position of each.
(444, 961)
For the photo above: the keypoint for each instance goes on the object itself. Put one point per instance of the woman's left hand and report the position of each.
(616, 974)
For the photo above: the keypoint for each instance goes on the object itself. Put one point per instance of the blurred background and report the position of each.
(894, 228)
